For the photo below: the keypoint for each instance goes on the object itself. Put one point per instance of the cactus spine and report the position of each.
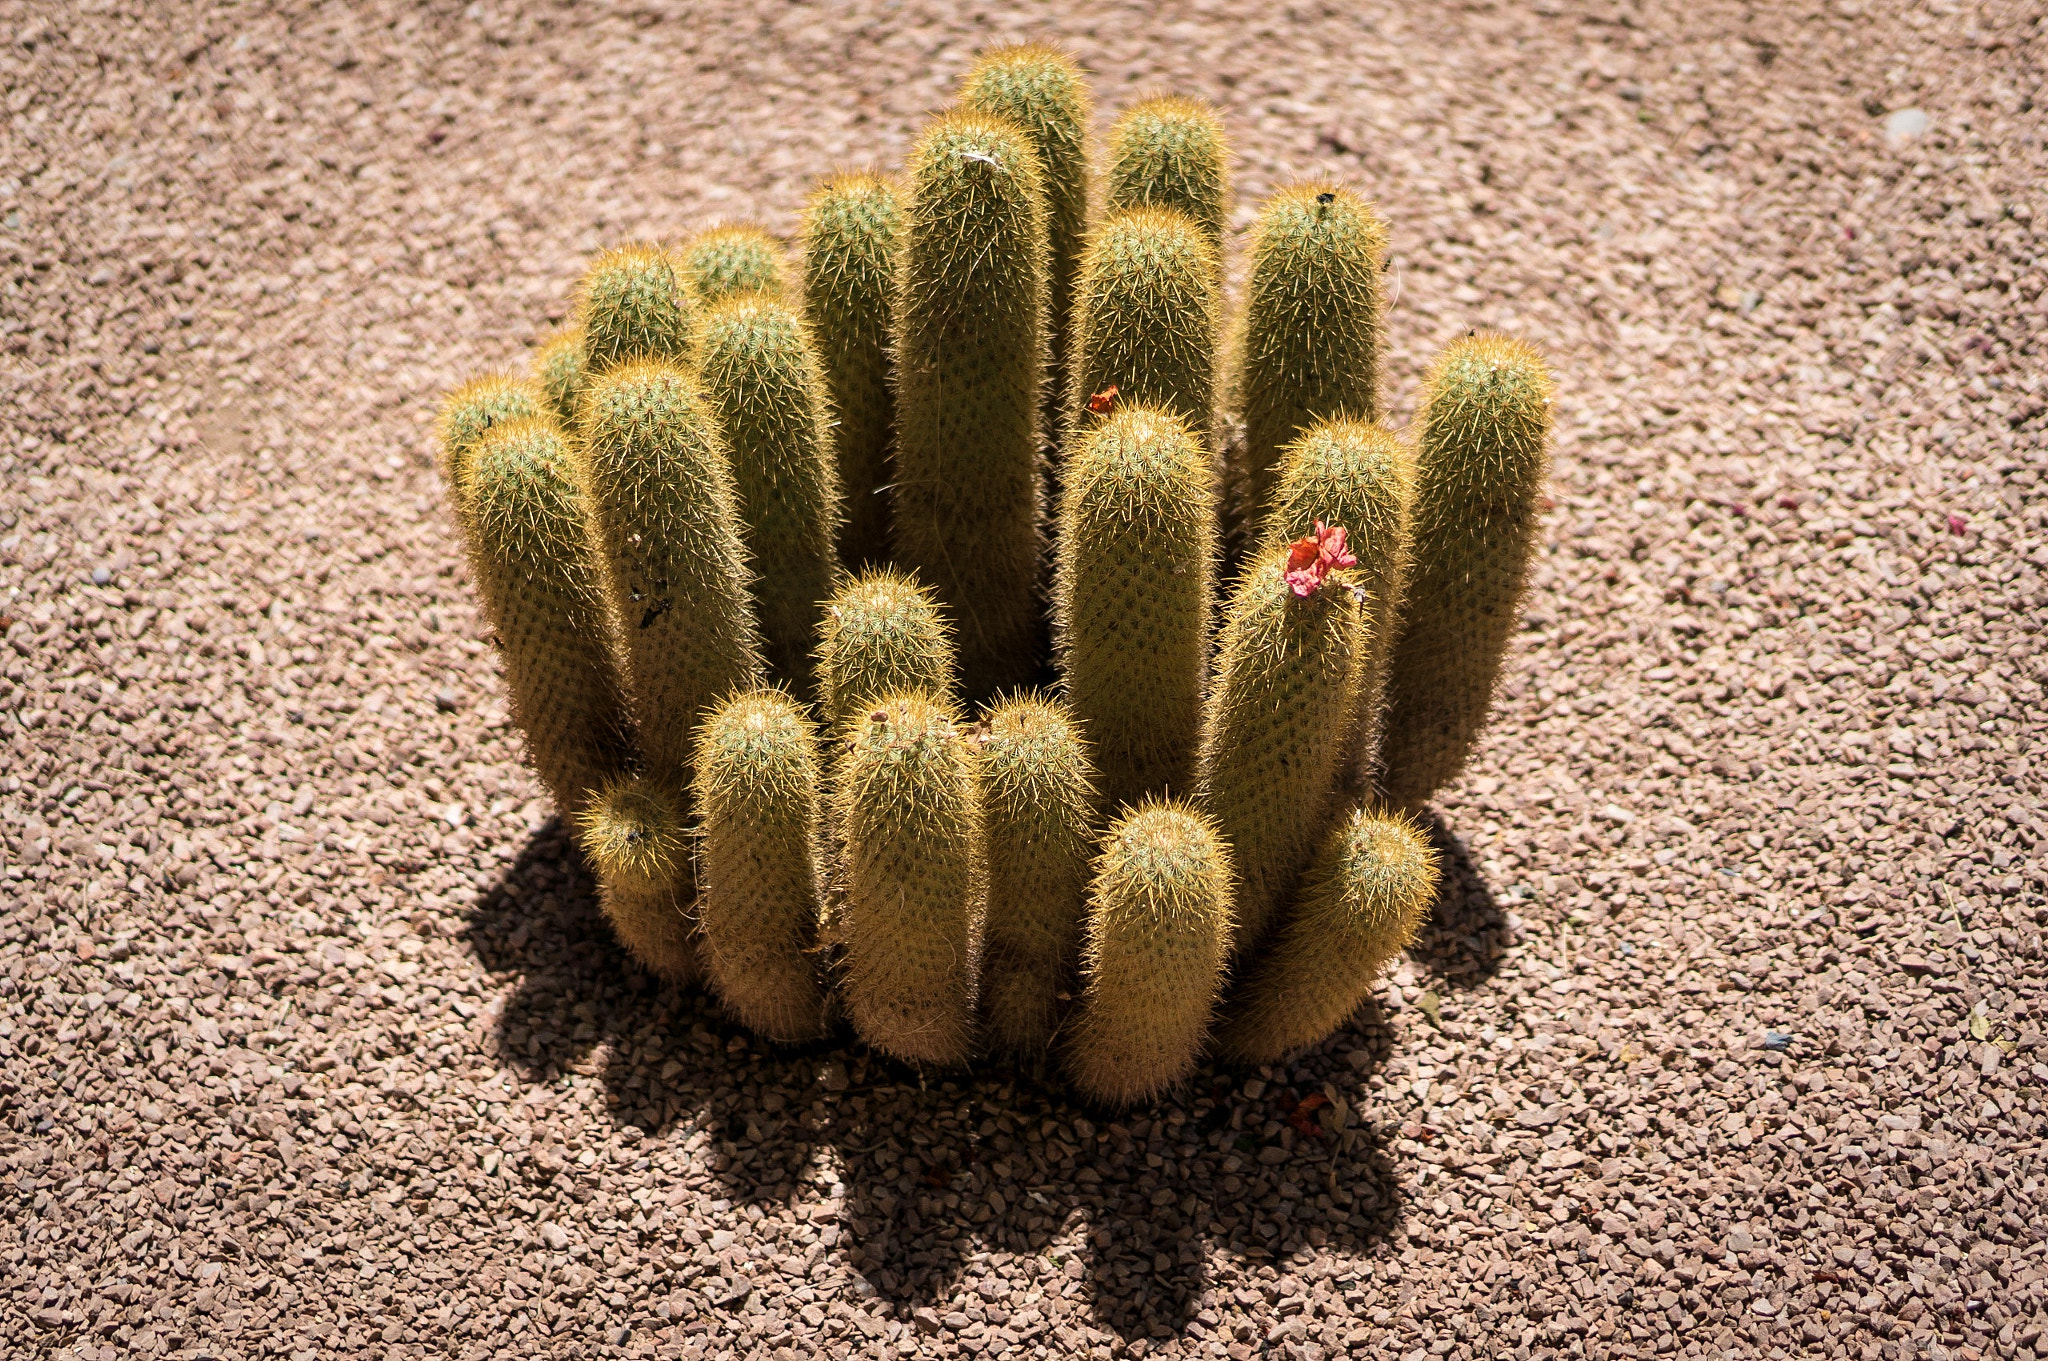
(1131, 597)
(759, 373)
(914, 879)
(557, 369)
(667, 525)
(1483, 458)
(638, 842)
(1312, 336)
(529, 552)
(1038, 802)
(1042, 91)
(882, 633)
(1360, 906)
(726, 261)
(467, 415)
(970, 357)
(1276, 729)
(1170, 153)
(631, 306)
(1159, 928)
(1361, 476)
(850, 232)
(1146, 317)
(757, 781)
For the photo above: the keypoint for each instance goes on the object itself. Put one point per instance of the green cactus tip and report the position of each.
(723, 261)
(1169, 152)
(636, 834)
(1360, 906)
(631, 306)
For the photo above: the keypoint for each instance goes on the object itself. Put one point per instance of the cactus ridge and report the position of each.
(851, 228)
(1276, 729)
(970, 358)
(1481, 464)
(758, 782)
(557, 369)
(722, 262)
(636, 835)
(1312, 329)
(1038, 800)
(1041, 89)
(529, 553)
(1359, 475)
(1132, 592)
(667, 526)
(883, 632)
(467, 414)
(913, 880)
(1148, 310)
(1360, 905)
(1158, 932)
(1170, 152)
(760, 376)
(631, 305)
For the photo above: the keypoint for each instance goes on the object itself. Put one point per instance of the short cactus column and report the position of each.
(1360, 906)
(637, 837)
(467, 415)
(913, 879)
(970, 358)
(1038, 800)
(529, 552)
(757, 786)
(557, 368)
(1158, 931)
(1480, 471)
(1146, 318)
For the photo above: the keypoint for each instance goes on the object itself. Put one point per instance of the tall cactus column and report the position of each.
(530, 553)
(970, 356)
(1146, 318)
(1276, 728)
(850, 231)
(1042, 91)
(667, 521)
(1484, 457)
(1311, 339)
(1132, 598)
(759, 373)
(1361, 476)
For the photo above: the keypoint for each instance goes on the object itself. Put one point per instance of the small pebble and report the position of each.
(101, 576)
(1903, 125)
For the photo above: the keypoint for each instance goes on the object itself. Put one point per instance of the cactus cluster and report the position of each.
(966, 632)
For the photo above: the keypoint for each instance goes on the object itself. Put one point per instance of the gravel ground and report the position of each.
(1725, 1040)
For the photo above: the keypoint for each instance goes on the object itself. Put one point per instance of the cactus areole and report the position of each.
(963, 632)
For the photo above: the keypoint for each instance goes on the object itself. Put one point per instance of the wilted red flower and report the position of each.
(1103, 402)
(1313, 557)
